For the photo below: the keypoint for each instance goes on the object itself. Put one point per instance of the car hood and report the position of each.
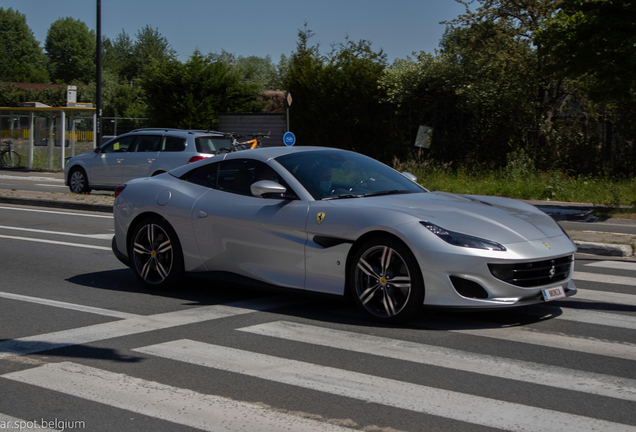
(499, 219)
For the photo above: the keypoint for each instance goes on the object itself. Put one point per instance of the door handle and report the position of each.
(120, 160)
(151, 160)
(202, 214)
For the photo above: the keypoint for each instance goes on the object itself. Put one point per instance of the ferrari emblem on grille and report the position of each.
(552, 272)
(546, 245)
(320, 217)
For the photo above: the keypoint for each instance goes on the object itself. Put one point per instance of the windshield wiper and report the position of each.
(344, 195)
(387, 192)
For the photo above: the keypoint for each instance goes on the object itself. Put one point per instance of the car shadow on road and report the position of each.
(203, 290)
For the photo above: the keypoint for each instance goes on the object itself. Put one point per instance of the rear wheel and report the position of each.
(10, 159)
(386, 281)
(156, 255)
(78, 181)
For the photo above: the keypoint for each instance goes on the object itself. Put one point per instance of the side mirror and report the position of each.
(268, 189)
(410, 176)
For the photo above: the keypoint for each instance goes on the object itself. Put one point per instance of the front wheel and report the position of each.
(78, 181)
(10, 159)
(155, 254)
(386, 281)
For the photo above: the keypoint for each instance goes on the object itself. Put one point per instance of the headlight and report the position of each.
(463, 240)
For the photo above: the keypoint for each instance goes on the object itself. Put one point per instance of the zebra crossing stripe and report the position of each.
(605, 297)
(604, 278)
(584, 316)
(444, 403)
(621, 350)
(176, 405)
(135, 325)
(568, 379)
(619, 265)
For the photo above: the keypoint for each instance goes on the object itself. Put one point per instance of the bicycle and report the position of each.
(237, 145)
(8, 157)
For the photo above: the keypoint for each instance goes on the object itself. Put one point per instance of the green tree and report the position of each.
(118, 56)
(595, 39)
(593, 42)
(486, 95)
(337, 101)
(150, 46)
(21, 57)
(70, 46)
(192, 94)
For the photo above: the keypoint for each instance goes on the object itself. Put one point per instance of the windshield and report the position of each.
(334, 174)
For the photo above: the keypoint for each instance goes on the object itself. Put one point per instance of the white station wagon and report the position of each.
(140, 153)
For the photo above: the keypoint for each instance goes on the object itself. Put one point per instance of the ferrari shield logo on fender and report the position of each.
(320, 217)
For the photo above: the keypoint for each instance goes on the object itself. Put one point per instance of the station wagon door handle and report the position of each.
(151, 160)
(120, 160)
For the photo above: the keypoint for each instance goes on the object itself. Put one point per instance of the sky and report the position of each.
(256, 27)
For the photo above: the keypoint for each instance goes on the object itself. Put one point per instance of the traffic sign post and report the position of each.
(289, 101)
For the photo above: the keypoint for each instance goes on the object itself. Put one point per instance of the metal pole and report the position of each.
(51, 140)
(73, 135)
(98, 79)
(62, 138)
(31, 138)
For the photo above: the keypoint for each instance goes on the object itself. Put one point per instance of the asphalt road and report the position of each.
(83, 344)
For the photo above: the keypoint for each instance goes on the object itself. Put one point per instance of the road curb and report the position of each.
(604, 249)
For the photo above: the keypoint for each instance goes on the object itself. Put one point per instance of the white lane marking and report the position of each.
(25, 425)
(92, 236)
(50, 185)
(602, 278)
(71, 306)
(499, 367)
(399, 394)
(618, 265)
(585, 316)
(135, 325)
(58, 212)
(48, 179)
(526, 335)
(173, 404)
(605, 297)
(56, 242)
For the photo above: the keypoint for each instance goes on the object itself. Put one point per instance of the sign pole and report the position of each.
(289, 101)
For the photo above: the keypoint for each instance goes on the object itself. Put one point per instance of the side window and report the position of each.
(238, 175)
(205, 176)
(212, 144)
(119, 144)
(147, 143)
(235, 176)
(173, 144)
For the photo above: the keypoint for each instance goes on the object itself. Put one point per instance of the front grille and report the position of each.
(532, 274)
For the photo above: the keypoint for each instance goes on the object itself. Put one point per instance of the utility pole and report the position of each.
(98, 78)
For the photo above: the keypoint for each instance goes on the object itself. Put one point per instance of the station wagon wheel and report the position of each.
(78, 181)
(386, 281)
(155, 252)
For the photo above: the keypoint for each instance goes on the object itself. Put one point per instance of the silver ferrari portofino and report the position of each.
(338, 222)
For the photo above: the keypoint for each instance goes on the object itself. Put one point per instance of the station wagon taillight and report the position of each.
(197, 158)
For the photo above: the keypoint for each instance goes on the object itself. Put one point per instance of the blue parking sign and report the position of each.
(289, 139)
